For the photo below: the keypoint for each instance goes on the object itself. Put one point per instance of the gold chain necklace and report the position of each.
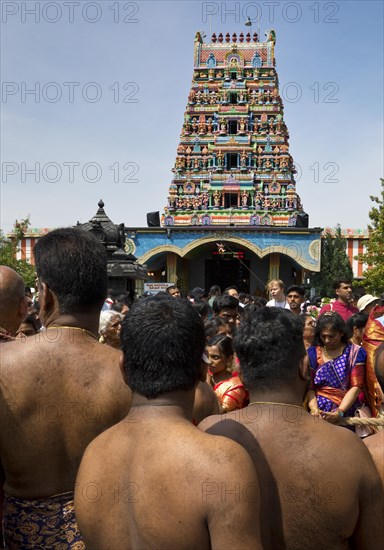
(329, 357)
(276, 403)
(74, 328)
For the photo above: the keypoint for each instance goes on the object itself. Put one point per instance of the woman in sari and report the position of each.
(337, 369)
(226, 384)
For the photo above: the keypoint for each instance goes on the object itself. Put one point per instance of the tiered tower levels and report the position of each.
(233, 165)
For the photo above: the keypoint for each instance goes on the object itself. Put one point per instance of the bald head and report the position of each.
(379, 365)
(13, 304)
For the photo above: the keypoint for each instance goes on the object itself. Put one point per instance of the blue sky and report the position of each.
(111, 81)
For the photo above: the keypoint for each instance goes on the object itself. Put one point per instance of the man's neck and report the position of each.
(88, 321)
(290, 396)
(172, 405)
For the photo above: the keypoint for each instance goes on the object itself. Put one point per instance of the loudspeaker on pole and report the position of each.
(153, 219)
(302, 220)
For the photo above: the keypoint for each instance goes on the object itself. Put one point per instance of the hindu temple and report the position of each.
(233, 215)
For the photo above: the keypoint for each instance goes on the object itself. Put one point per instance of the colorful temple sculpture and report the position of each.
(233, 165)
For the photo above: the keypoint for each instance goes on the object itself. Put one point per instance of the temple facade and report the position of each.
(233, 165)
(233, 215)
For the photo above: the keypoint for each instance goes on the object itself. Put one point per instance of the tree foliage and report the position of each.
(374, 255)
(334, 263)
(9, 247)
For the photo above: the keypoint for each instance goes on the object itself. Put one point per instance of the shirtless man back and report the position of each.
(319, 486)
(161, 482)
(59, 390)
(375, 443)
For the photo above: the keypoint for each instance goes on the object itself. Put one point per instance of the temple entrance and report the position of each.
(226, 272)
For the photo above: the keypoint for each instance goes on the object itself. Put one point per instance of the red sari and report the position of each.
(232, 393)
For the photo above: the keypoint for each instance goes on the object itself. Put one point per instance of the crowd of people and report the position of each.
(215, 420)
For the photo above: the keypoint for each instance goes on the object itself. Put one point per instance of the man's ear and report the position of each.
(203, 371)
(23, 308)
(304, 368)
(122, 368)
(46, 298)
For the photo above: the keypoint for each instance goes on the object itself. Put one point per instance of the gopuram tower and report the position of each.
(233, 215)
(233, 166)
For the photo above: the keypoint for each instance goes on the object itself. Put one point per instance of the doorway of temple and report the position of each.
(226, 272)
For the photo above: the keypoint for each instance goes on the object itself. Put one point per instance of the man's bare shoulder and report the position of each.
(242, 424)
(130, 431)
(375, 445)
(37, 362)
(375, 441)
(35, 351)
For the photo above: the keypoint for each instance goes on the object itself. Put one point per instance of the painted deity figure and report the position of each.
(220, 159)
(258, 200)
(243, 159)
(244, 198)
(202, 126)
(216, 198)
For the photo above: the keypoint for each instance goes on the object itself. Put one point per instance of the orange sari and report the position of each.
(372, 338)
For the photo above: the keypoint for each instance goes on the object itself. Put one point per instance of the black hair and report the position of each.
(232, 287)
(258, 301)
(333, 320)
(379, 371)
(295, 288)
(358, 320)
(303, 317)
(117, 306)
(197, 293)
(124, 299)
(224, 301)
(341, 280)
(212, 326)
(269, 345)
(223, 342)
(163, 341)
(202, 307)
(215, 289)
(73, 263)
(171, 287)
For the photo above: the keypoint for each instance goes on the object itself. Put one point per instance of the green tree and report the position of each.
(374, 255)
(334, 263)
(9, 248)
